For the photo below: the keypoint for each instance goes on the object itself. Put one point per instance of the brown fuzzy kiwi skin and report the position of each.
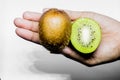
(55, 30)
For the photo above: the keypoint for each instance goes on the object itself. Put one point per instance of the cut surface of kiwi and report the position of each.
(85, 35)
(55, 29)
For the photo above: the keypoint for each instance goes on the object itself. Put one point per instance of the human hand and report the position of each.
(108, 50)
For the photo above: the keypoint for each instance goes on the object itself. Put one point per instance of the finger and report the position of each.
(33, 16)
(78, 14)
(102, 19)
(90, 61)
(28, 35)
(69, 52)
(75, 14)
(95, 16)
(72, 14)
(30, 25)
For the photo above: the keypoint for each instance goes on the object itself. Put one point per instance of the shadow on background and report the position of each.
(44, 62)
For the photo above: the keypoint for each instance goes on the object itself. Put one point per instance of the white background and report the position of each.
(24, 60)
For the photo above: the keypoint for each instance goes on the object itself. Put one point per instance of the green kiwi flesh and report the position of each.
(85, 35)
(55, 29)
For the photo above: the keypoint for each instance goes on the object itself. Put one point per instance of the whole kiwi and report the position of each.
(54, 29)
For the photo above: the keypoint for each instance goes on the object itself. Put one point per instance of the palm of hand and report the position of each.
(107, 51)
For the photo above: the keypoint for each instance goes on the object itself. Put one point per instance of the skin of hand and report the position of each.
(108, 50)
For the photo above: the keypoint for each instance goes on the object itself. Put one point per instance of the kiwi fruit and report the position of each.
(55, 29)
(85, 35)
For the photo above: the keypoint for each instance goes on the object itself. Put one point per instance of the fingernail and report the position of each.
(26, 14)
(17, 21)
(66, 50)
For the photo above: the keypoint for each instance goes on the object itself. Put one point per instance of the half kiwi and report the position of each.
(85, 35)
(55, 29)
